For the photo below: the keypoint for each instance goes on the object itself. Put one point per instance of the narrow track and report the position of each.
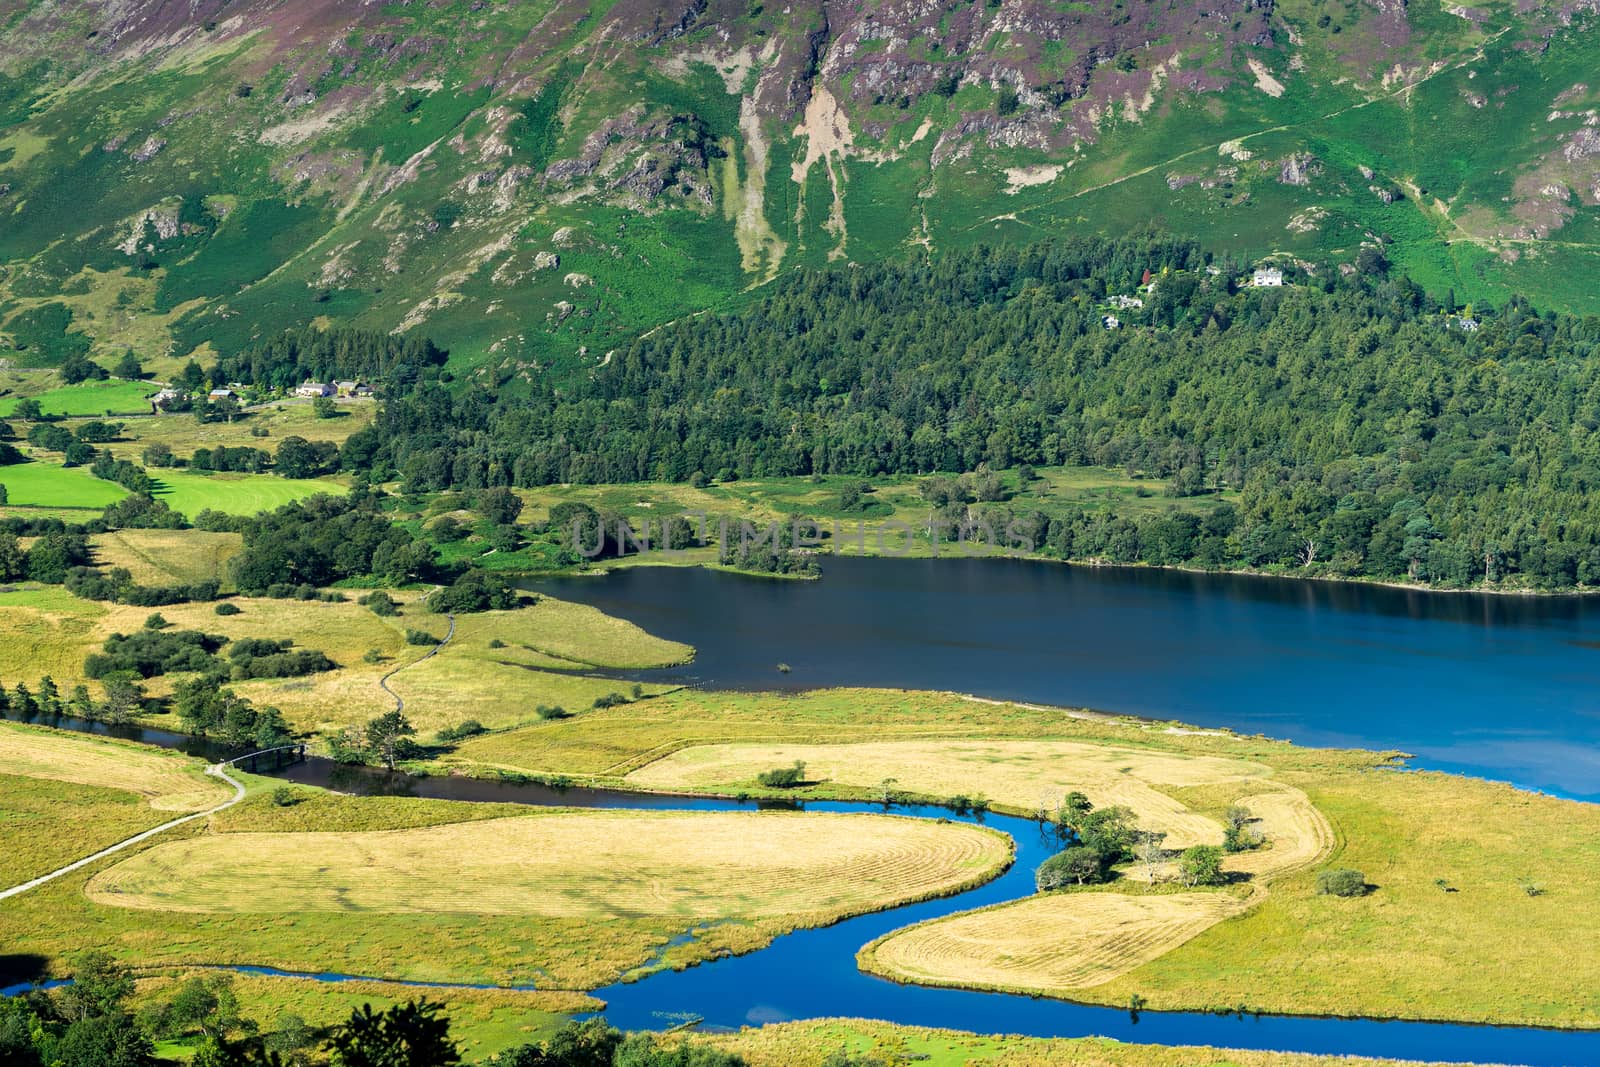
(219, 770)
(383, 683)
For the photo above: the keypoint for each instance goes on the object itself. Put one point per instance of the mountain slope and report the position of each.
(531, 183)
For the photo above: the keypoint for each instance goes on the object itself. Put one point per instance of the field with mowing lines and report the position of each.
(90, 399)
(47, 824)
(236, 494)
(167, 781)
(615, 908)
(592, 865)
(167, 557)
(809, 1043)
(50, 485)
(1052, 943)
(1021, 775)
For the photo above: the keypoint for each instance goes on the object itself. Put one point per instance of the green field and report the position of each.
(90, 399)
(51, 485)
(236, 494)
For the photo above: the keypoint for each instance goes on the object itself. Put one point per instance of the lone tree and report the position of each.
(1201, 865)
(1150, 854)
(388, 738)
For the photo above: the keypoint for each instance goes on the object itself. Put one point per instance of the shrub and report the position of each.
(547, 712)
(226, 608)
(469, 728)
(381, 603)
(284, 797)
(1201, 865)
(783, 777)
(1341, 882)
(420, 637)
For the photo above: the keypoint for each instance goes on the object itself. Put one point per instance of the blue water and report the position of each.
(1501, 687)
(1496, 686)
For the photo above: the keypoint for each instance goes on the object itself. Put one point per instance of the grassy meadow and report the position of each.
(577, 865)
(50, 485)
(165, 780)
(191, 492)
(87, 399)
(168, 557)
(64, 796)
(262, 428)
(484, 1022)
(571, 930)
(809, 1043)
(1456, 861)
(46, 824)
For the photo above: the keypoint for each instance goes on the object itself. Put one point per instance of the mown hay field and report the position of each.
(1022, 775)
(168, 557)
(47, 824)
(603, 933)
(1055, 943)
(168, 782)
(594, 865)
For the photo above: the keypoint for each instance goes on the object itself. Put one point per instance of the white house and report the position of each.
(1110, 322)
(1267, 276)
(1125, 302)
(313, 389)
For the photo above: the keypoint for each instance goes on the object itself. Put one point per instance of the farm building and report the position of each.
(313, 389)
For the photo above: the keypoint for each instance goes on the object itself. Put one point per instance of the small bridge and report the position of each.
(273, 758)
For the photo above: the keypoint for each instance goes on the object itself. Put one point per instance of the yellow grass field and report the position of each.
(1052, 943)
(588, 865)
(167, 781)
(47, 824)
(47, 631)
(168, 557)
(1021, 775)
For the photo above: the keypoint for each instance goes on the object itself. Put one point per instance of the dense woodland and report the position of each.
(1367, 431)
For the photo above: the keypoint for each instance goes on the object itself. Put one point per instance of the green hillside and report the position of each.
(533, 184)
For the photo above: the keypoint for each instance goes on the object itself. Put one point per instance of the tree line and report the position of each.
(1367, 431)
(94, 1022)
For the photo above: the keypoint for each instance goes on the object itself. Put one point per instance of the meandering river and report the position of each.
(1503, 687)
(1496, 686)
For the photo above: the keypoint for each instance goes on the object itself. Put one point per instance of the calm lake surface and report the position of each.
(1497, 686)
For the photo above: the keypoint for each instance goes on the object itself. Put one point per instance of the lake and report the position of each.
(1504, 687)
